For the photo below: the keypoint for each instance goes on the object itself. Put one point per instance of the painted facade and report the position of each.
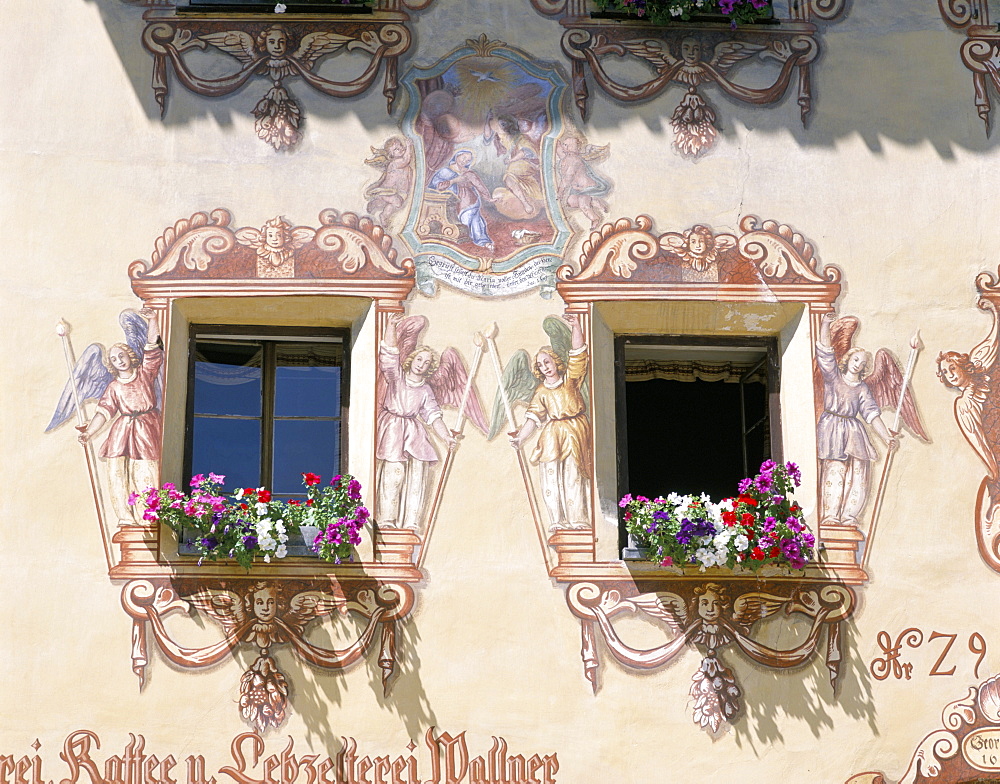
(490, 199)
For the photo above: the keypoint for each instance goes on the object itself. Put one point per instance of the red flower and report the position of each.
(249, 491)
(628, 516)
(244, 506)
(757, 554)
(309, 502)
(311, 479)
(293, 502)
(729, 518)
(748, 500)
(775, 551)
(746, 518)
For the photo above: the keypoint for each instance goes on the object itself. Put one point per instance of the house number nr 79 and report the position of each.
(892, 661)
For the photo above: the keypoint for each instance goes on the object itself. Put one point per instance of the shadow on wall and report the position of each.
(771, 696)
(317, 691)
(887, 70)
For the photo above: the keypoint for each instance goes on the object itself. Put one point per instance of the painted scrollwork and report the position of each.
(691, 57)
(278, 52)
(264, 614)
(980, 51)
(711, 616)
(766, 252)
(206, 246)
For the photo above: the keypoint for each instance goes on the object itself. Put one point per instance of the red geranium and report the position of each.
(311, 479)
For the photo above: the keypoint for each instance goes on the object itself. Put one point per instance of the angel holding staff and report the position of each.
(126, 381)
(413, 384)
(558, 412)
(855, 390)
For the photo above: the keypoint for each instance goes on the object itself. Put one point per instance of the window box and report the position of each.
(658, 12)
(217, 7)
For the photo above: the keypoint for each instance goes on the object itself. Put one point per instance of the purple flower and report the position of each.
(626, 500)
(794, 473)
(197, 480)
(745, 485)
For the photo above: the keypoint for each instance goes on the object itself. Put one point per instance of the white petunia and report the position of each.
(742, 543)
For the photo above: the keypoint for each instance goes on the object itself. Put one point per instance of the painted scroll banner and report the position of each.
(538, 272)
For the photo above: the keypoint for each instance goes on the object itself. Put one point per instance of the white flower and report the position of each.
(675, 11)
(741, 542)
(238, 493)
(267, 558)
(279, 526)
(721, 541)
(281, 552)
(280, 8)
(261, 508)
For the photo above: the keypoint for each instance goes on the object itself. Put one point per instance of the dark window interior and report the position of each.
(266, 405)
(267, 6)
(694, 418)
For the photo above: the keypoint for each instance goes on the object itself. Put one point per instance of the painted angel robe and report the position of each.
(840, 435)
(136, 426)
(561, 414)
(401, 437)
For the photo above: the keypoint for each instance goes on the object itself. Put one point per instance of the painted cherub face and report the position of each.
(952, 373)
(691, 51)
(119, 359)
(265, 605)
(421, 362)
(697, 244)
(546, 366)
(709, 606)
(857, 363)
(276, 43)
(274, 237)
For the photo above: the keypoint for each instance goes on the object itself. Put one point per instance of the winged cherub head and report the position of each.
(274, 41)
(712, 600)
(262, 602)
(691, 51)
(549, 366)
(701, 248)
(421, 363)
(955, 369)
(122, 359)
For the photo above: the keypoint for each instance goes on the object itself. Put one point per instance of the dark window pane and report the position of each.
(301, 446)
(307, 379)
(227, 379)
(230, 447)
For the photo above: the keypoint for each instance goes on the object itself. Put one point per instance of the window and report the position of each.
(267, 6)
(694, 414)
(266, 404)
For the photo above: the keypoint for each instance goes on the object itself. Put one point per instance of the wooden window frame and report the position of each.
(269, 336)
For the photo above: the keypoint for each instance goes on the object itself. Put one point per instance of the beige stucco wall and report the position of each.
(893, 181)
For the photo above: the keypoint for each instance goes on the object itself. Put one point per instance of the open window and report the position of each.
(694, 414)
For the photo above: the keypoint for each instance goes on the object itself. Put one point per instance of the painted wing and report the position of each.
(885, 382)
(560, 336)
(593, 153)
(310, 605)
(653, 52)
(448, 383)
(728, 53)
(666, 606)
(408, 332)
(91, 378)
(755, 606)
(249, 236)
(301, 236)
(315, 45)
(520, 384)
(842, 335)
(969, 414)
(225, 607)
(984, 355)
(235, 42)
(135, 328)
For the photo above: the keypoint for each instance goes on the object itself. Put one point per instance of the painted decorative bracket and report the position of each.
(981, 49)
(278, 48)
(265, 614)
(712, 614)
(692, 55)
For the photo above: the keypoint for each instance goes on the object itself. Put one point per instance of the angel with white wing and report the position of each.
(554, 386)
(855, 390)
(414, 382)
(126, 381)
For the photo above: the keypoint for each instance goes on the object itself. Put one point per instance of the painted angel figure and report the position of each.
(275, 244)
(387, 196)
(554, 387)
(855, 390)
(125, 380)
(278, 116)
(414, 383)
(580, 187)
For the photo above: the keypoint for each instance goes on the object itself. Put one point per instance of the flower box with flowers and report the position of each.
(731, 12)
(250, 523)
(762, 530)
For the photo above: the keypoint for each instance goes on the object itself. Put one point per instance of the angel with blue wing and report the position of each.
(557, 412)
(125, 381)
